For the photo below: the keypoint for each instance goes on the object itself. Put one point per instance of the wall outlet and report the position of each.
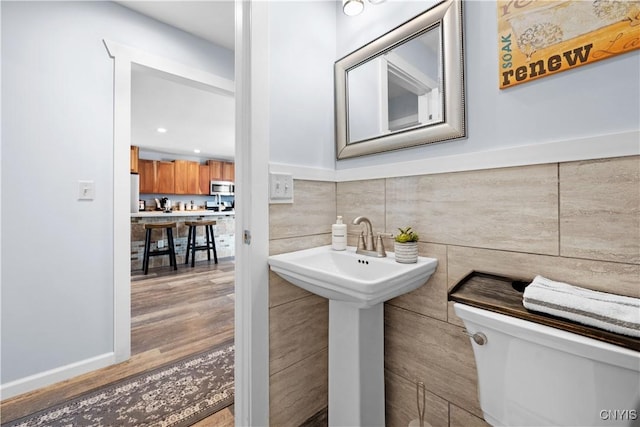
(160, 244)
(280, 188)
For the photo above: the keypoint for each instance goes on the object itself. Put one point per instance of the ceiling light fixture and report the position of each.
(352, 7)
(161, 130)
(197, 151)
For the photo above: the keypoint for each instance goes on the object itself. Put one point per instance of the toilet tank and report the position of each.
(530, 374)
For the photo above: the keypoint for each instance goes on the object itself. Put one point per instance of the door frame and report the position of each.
(252, 209)
(124, 59)
(252, 270)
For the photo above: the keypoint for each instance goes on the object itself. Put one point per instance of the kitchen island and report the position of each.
(224, 234)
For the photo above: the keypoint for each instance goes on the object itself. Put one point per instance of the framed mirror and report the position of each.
(405, 88)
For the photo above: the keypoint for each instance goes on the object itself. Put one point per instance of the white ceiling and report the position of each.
(212, 20)
(195, 117)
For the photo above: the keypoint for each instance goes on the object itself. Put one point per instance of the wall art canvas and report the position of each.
(538, 38)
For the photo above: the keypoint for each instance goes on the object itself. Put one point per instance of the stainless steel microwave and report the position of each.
(222, 187)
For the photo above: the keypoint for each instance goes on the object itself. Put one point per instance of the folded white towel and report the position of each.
(614, 313)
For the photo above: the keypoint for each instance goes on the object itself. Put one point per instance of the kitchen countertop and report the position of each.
(155, 214)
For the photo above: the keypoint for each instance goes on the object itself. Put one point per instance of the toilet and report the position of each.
(530, 374)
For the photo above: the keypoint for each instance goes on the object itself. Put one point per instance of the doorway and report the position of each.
(177, 122)
(126, 58)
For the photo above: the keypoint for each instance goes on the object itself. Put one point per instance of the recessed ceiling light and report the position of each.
(196, 151)
(352, 7)
(162, 130)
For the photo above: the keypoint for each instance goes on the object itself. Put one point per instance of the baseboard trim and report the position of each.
(52, 376)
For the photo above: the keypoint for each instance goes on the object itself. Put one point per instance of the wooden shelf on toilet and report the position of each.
(503, 295)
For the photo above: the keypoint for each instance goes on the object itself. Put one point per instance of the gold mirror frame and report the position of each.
(447, 14)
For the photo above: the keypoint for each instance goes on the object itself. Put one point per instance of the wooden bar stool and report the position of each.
(171, 250)
(191, 241)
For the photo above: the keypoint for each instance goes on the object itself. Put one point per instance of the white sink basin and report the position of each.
(356, 286)
(346, 276)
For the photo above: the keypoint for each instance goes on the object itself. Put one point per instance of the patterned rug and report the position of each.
(174, 395)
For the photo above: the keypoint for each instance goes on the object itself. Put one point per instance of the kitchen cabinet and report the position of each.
(221, 171)
(134, 159)
(187, 177)
(228, 171)
(215, 170)
(165, 177)
(204, 180)
(193, 178)
(147, 173)
(180, 176)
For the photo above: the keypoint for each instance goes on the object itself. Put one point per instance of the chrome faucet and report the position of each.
(366, 246)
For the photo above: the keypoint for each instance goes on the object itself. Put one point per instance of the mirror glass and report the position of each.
(405, 88)
(398, 90)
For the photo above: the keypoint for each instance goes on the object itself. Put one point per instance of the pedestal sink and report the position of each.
(356, 287)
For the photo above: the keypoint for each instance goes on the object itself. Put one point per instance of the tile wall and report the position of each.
(577, 222)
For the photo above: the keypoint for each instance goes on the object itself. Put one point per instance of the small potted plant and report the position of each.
(406, 246)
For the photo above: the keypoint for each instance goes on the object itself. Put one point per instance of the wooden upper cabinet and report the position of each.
(134, 159)
(165, 177)
(228, 171)
(204, 180)
(215, 170)
(180, 177)
(193, 178)
(187, 177)
(147, 172)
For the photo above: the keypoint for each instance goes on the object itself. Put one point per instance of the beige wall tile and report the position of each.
(502, 221)
(297, 243)
(438, 353)
(313, 211)
(281, 291)
(299, 391)
(430, 299)
(461, 418)
(297, 330)
(600, 209)
(598, 275)
(401, 403)
(509, 208)
(366, 198)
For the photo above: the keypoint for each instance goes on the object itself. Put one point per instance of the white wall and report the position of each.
(57, 128)
(596, 99)
(593, 100)
(301, 56)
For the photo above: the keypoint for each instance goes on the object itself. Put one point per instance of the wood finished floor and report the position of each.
(173, 314)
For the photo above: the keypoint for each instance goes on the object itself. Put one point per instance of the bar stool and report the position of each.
(191, 241)
(171, 251)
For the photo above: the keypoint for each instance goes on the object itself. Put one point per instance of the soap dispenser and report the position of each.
(339, 235)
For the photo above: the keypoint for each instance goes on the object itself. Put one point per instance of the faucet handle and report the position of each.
(361, 241)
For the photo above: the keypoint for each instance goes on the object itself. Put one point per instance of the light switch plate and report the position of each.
(86, 190)
(280, 188)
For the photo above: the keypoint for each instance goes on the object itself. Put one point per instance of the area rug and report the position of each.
(175, 395)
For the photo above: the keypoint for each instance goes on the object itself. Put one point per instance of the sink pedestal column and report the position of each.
(356, 365)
